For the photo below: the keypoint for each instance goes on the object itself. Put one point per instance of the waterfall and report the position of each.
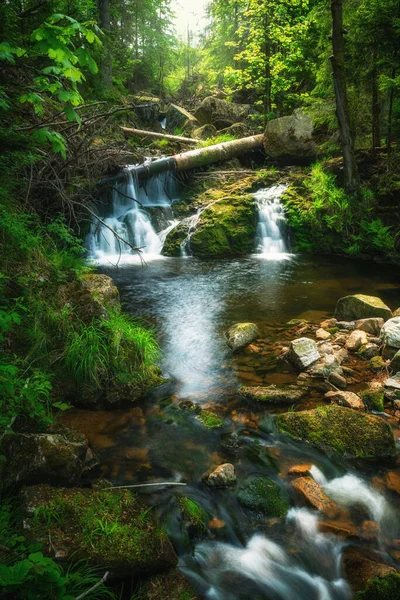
(271, 223)
(140, 215)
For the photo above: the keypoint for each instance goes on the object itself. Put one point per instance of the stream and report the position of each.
(191, 303)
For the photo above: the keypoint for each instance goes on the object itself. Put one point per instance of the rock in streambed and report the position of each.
(287, 394)
(241, 335)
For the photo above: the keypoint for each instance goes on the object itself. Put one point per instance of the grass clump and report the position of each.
(210, 420)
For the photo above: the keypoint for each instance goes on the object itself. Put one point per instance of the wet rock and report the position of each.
(346, 325)
(223, 476)
(230, 444)
(377, 364)
(313, 496)
(172, 585)
(285, 394)
(193, 516)
(348, 399)
(300, 469)
(290, 137)
(264, 495)
(393, 382)
(355, 340)
(360, 306)
(303, 353)
(60, 456)
(395, 363)
(322, 334)
(337, 380)
(361, 565)
(390, 333)
(344, 530)
(91, 297)
(368, 351)
(393, 481)
(340, 431)
(205, 132)
(221, 113)
(241, 335)
(371, 326)
(126, 543)
(370, 530)
(313, 383)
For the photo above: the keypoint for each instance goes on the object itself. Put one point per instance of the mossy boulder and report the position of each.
(60, 456)
(113, 529)
(341, 432)
(221, 113)
(273, 394)
(168, 586)
(381, 588)
(264, 495)
(226, 227)
(241, 335)
(91, 297)
(360, 306)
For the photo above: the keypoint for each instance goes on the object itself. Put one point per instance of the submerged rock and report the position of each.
(285, 394)
(313, 495)
(348, 399)
(360, 306)
(390, 332)
(100, 526)
(210, 419)
(303, 353)
(60, 456)
(262, 494)
(290, 137)
(340, 431)
(222, 476)
(241, 335)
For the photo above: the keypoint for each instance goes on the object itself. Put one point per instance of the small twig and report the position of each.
(95, 586)
(129, 197)
(140, 485)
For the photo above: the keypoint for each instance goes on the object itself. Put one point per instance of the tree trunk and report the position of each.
(390, 113)
(376, 109)
(351, 179)
(200, 157)
(267, 89)
(104, 14)
(158, 136)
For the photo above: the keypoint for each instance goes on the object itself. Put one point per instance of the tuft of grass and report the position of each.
(218, 139)
(87, 355)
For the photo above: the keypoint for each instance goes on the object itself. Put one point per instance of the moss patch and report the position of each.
(373, 399)
(341, 432)
(108, 528)
(381, 588)
(173, 241)
(264, 495)
(194, 514)
(210, 420)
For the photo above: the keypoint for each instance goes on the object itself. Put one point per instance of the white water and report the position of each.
(271, 244)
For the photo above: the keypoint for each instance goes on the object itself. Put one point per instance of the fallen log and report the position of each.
(158, 136)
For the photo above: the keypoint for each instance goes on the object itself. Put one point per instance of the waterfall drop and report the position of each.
(271, 223)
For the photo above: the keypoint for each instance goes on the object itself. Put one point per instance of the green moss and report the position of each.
(374, 399)
(340, 431)
(210, 420)
(333, 330)
(194, 514)
(381, 588)
(377, 363)
(173, 242)
(264, 495)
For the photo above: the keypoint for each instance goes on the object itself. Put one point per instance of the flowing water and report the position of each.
(191, 303)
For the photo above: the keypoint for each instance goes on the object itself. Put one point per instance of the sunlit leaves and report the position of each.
(41, 136)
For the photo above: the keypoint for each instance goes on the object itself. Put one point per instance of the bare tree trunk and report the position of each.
(376, 108)
(351, 178)
(390, 113)
(136, 44)
(104, 14)
(267, 89)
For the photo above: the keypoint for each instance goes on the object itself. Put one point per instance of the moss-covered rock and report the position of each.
(174, 240)
(169, 586)
(113, 529)
(377, 363)
(60, 456)
(273, 394)
(226, 227)
(341, 432)
(91, 297)
(262, 494)
(374, 399)
(381, 588)
(241, 335)
(194, 516)
(209, 419)
(360, 306)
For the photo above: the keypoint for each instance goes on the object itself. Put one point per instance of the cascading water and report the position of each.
(140, 215)
(271, 223)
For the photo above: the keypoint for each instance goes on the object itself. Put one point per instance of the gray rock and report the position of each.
(395, 362)
(303, 353)
(180, 118)
(368, 351)
(221, 113)
(348, 399)
(241, 335)
(290, 137)
(355, 340)
(204, 132)
(372, 326)
(285, 394)
(393, 382)
(348, 325)
(338, 380)
(360, 306)
(390, 332)
(223, 476)
(322, 334)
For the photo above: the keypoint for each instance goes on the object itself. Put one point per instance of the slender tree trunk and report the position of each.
(390, 113)
(351, 179)
(136, 44)
(376, 108)
(104, 14)
(267, 72)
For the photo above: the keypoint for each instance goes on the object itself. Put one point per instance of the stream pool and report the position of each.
(243, 555)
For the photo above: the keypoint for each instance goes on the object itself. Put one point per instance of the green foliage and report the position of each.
(381, 588)
(86, 355)
(218, 139)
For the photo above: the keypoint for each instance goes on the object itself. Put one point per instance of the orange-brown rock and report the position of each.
(300, 469)
(342, 529)
(314, 496)
(216, 523)
(361, 564)
(370, 530)
(393, 481)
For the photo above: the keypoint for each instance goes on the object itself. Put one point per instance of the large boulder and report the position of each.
(303, 353)
(175, 239)
(341, 432)
(264, 495)
(179, 118)
(221, 113)
(273, 394)
(360, 306)
(390, 332)
(60, 456)
(291, 137)
(241, 335)
(105, 528)
(91, 297)
(226, 228)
